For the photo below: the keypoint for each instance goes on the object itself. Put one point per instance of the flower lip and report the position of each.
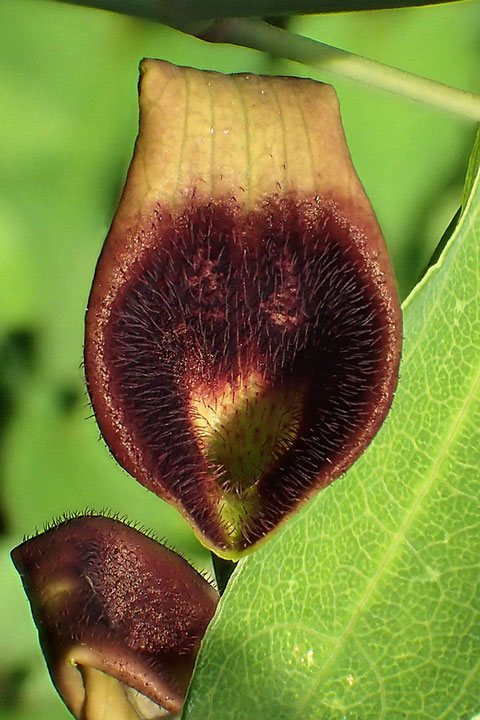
(107, 598)
(249, 360)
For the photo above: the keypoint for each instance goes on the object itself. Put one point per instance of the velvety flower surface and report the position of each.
(119, 616)
(243, 330)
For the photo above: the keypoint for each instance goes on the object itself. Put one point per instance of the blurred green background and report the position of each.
(68, 118)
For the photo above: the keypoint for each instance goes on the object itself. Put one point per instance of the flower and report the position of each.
(243, 330)
(120, 617)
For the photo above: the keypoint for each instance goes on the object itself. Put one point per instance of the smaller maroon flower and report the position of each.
(119, 616)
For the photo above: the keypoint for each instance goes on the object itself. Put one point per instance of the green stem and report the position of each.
(190, 16)
(284, 44)
(223, 570)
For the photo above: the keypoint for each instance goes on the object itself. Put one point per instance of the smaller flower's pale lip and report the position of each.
(114, 610)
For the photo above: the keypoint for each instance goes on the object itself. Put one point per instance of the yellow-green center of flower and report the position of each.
(245, 429)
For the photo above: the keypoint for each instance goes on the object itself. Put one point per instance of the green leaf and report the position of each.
(366, 605)
(184, 14)
(471, 171)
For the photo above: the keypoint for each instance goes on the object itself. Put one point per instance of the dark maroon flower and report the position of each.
(119, 616)
(243, 330)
